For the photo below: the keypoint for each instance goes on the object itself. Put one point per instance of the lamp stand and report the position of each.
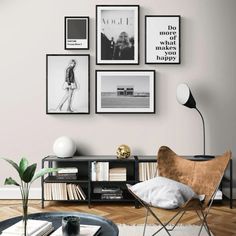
(204, 138)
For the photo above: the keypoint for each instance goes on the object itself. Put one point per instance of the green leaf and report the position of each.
(43, 172)
(29, 173)
(10, 181)
(13, 164)
(23, 166)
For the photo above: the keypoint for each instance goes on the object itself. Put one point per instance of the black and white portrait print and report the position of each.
(67, 84)
(117, 34)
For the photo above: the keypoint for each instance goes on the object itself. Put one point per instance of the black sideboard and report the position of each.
(133, 176)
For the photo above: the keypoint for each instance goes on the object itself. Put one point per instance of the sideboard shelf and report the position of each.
(54, 179)
(84, 180)
(84, 177)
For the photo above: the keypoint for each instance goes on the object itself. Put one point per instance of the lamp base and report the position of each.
(204, 156)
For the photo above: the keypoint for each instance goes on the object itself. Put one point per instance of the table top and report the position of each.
(108, 228)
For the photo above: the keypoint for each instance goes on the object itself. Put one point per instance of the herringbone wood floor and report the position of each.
(222, 219)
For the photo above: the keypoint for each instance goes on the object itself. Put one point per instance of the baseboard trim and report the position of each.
(35, 193)
(14, 193)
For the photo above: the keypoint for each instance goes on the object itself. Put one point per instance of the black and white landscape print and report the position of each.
(117, 34)
(125, 91)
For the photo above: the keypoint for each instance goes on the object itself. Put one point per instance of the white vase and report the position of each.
(64, 147)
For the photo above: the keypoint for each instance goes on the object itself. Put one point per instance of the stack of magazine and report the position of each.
(67, 173)
(85, 230)
(34, 228)
(109, 193)
(44, 228)
(117, 174)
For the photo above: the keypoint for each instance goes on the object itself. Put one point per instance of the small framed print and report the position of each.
(130, 91)
(162, 39)
(67, 83)
(76, 32)
(117, 29)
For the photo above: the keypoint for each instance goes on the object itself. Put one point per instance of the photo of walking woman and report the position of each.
(117, 34)
(67, 84)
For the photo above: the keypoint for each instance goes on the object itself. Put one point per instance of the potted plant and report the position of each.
(28, 175)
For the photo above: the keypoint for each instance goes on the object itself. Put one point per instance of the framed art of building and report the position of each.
(162, 39)
(67, 83)
(117, 34)
(127, 91)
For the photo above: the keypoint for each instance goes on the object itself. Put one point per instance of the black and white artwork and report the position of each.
(125, 91)
(117, 34)
(67, 84)
(76, 33)
(162, 37)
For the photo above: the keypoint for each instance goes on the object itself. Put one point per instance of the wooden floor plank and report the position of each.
(222, 219)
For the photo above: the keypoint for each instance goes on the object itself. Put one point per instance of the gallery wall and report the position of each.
(30, 29)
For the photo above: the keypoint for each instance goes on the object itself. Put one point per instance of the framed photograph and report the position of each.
(117, 29)
(129, 91)
(67, 83)
(76, 32)
(162, 39)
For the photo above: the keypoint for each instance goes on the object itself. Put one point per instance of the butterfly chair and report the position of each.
(204, 177)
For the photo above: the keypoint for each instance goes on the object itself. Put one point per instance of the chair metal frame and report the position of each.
(181, 211)
(193, 204)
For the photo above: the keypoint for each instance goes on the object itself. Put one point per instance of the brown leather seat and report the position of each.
(204, 177)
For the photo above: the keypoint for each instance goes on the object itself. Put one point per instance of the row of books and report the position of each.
(147, 170)
(100, 171)
(219, 195)
(34, 228)
(63, 191)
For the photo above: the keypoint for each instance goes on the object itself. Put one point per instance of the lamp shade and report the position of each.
(64, 147)
(184, 96)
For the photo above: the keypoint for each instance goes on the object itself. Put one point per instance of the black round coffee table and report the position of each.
(108, 228)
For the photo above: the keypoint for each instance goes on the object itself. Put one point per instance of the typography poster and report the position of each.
(162, 39)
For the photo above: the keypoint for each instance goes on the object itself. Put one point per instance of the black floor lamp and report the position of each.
(185, 97)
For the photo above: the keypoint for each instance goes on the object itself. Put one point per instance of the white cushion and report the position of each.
(163, 192)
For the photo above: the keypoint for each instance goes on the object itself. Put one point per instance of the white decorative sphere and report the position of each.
(64, 147)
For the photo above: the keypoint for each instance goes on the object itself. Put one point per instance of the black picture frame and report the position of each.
(117, 26)
(125, 92)
(76, 32)
(162, 39)
(67, 92)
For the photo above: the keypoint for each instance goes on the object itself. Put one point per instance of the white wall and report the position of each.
(31, 28)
